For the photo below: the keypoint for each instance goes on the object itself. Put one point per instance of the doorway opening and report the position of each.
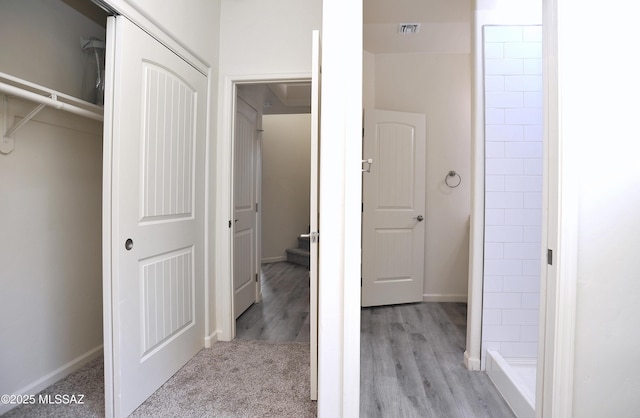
(286, 310)
(271, 187)
(394, 82)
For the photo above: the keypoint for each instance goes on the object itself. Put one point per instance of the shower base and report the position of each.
(516, 381)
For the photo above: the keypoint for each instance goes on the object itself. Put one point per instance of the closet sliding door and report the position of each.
(154, 165)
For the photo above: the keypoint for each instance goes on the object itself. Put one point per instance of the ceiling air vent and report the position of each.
(408, 28)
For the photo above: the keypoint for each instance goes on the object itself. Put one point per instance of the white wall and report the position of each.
(258, 37)
(368, 80)
(50, 215)
(598, 134)
(194, 23)
(513, 189)
(286, 143)
(438, 85)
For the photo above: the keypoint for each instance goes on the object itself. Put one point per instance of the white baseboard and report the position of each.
(440, 297)
(56, 375)
(211, 339)
(269, 260)
(472, 364)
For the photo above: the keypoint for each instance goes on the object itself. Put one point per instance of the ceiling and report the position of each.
(445, 26)
(280, 98)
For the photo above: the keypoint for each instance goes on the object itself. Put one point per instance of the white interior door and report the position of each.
(155, 123)
(393, 208)
(313, 210)
(245, 274)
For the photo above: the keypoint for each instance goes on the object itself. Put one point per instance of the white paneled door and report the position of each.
(393, 208)
(154, 170)
(245, 151)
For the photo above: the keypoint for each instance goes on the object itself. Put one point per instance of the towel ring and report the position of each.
(452, 174)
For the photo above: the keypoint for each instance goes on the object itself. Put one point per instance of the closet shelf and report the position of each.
(16, 87)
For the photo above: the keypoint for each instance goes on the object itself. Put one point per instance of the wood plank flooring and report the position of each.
(411, 355)
(283, 313)
(411, 365)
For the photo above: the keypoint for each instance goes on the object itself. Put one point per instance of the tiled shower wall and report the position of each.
(513, 189)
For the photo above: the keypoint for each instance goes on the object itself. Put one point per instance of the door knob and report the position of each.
(420, 218)
(128, 244)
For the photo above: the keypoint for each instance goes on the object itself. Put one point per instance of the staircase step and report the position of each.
(298, 256)
(304, 243)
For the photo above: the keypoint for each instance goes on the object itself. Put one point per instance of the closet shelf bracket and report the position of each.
(13, 86)
(26, 119)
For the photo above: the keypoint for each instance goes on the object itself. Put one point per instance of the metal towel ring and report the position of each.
(452, 174)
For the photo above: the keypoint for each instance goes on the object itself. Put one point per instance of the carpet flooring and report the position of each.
(231, 379)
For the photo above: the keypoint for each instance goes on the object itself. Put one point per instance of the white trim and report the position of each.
(556, 351)
(442, 297)
(258, 239)
(54, 376)
(107, 215)
(476, 219)
(340, 213)
(472, 363)
(270, 260)
(207, 196)
(224, 204)
(211, 339)
(224, 290)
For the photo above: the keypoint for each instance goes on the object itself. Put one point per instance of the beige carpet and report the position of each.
(231, 379)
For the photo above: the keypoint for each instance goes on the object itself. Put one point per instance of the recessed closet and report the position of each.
(50, 194)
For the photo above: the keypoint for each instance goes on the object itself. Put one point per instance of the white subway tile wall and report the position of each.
(513, 189)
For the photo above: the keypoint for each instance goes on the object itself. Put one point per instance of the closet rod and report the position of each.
(49, 101)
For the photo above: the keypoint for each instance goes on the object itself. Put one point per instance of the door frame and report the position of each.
(226, 327)
(146, 23)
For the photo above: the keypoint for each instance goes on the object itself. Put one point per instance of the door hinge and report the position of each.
(256, 277)
(362, 207)
(360, 281)
(229, 223)
(256, 207)
(549, 257)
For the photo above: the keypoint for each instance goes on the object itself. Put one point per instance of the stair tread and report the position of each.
(299, 251)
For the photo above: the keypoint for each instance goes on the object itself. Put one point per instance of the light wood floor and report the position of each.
(411, 355)
(412, 365)
(283, 313)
